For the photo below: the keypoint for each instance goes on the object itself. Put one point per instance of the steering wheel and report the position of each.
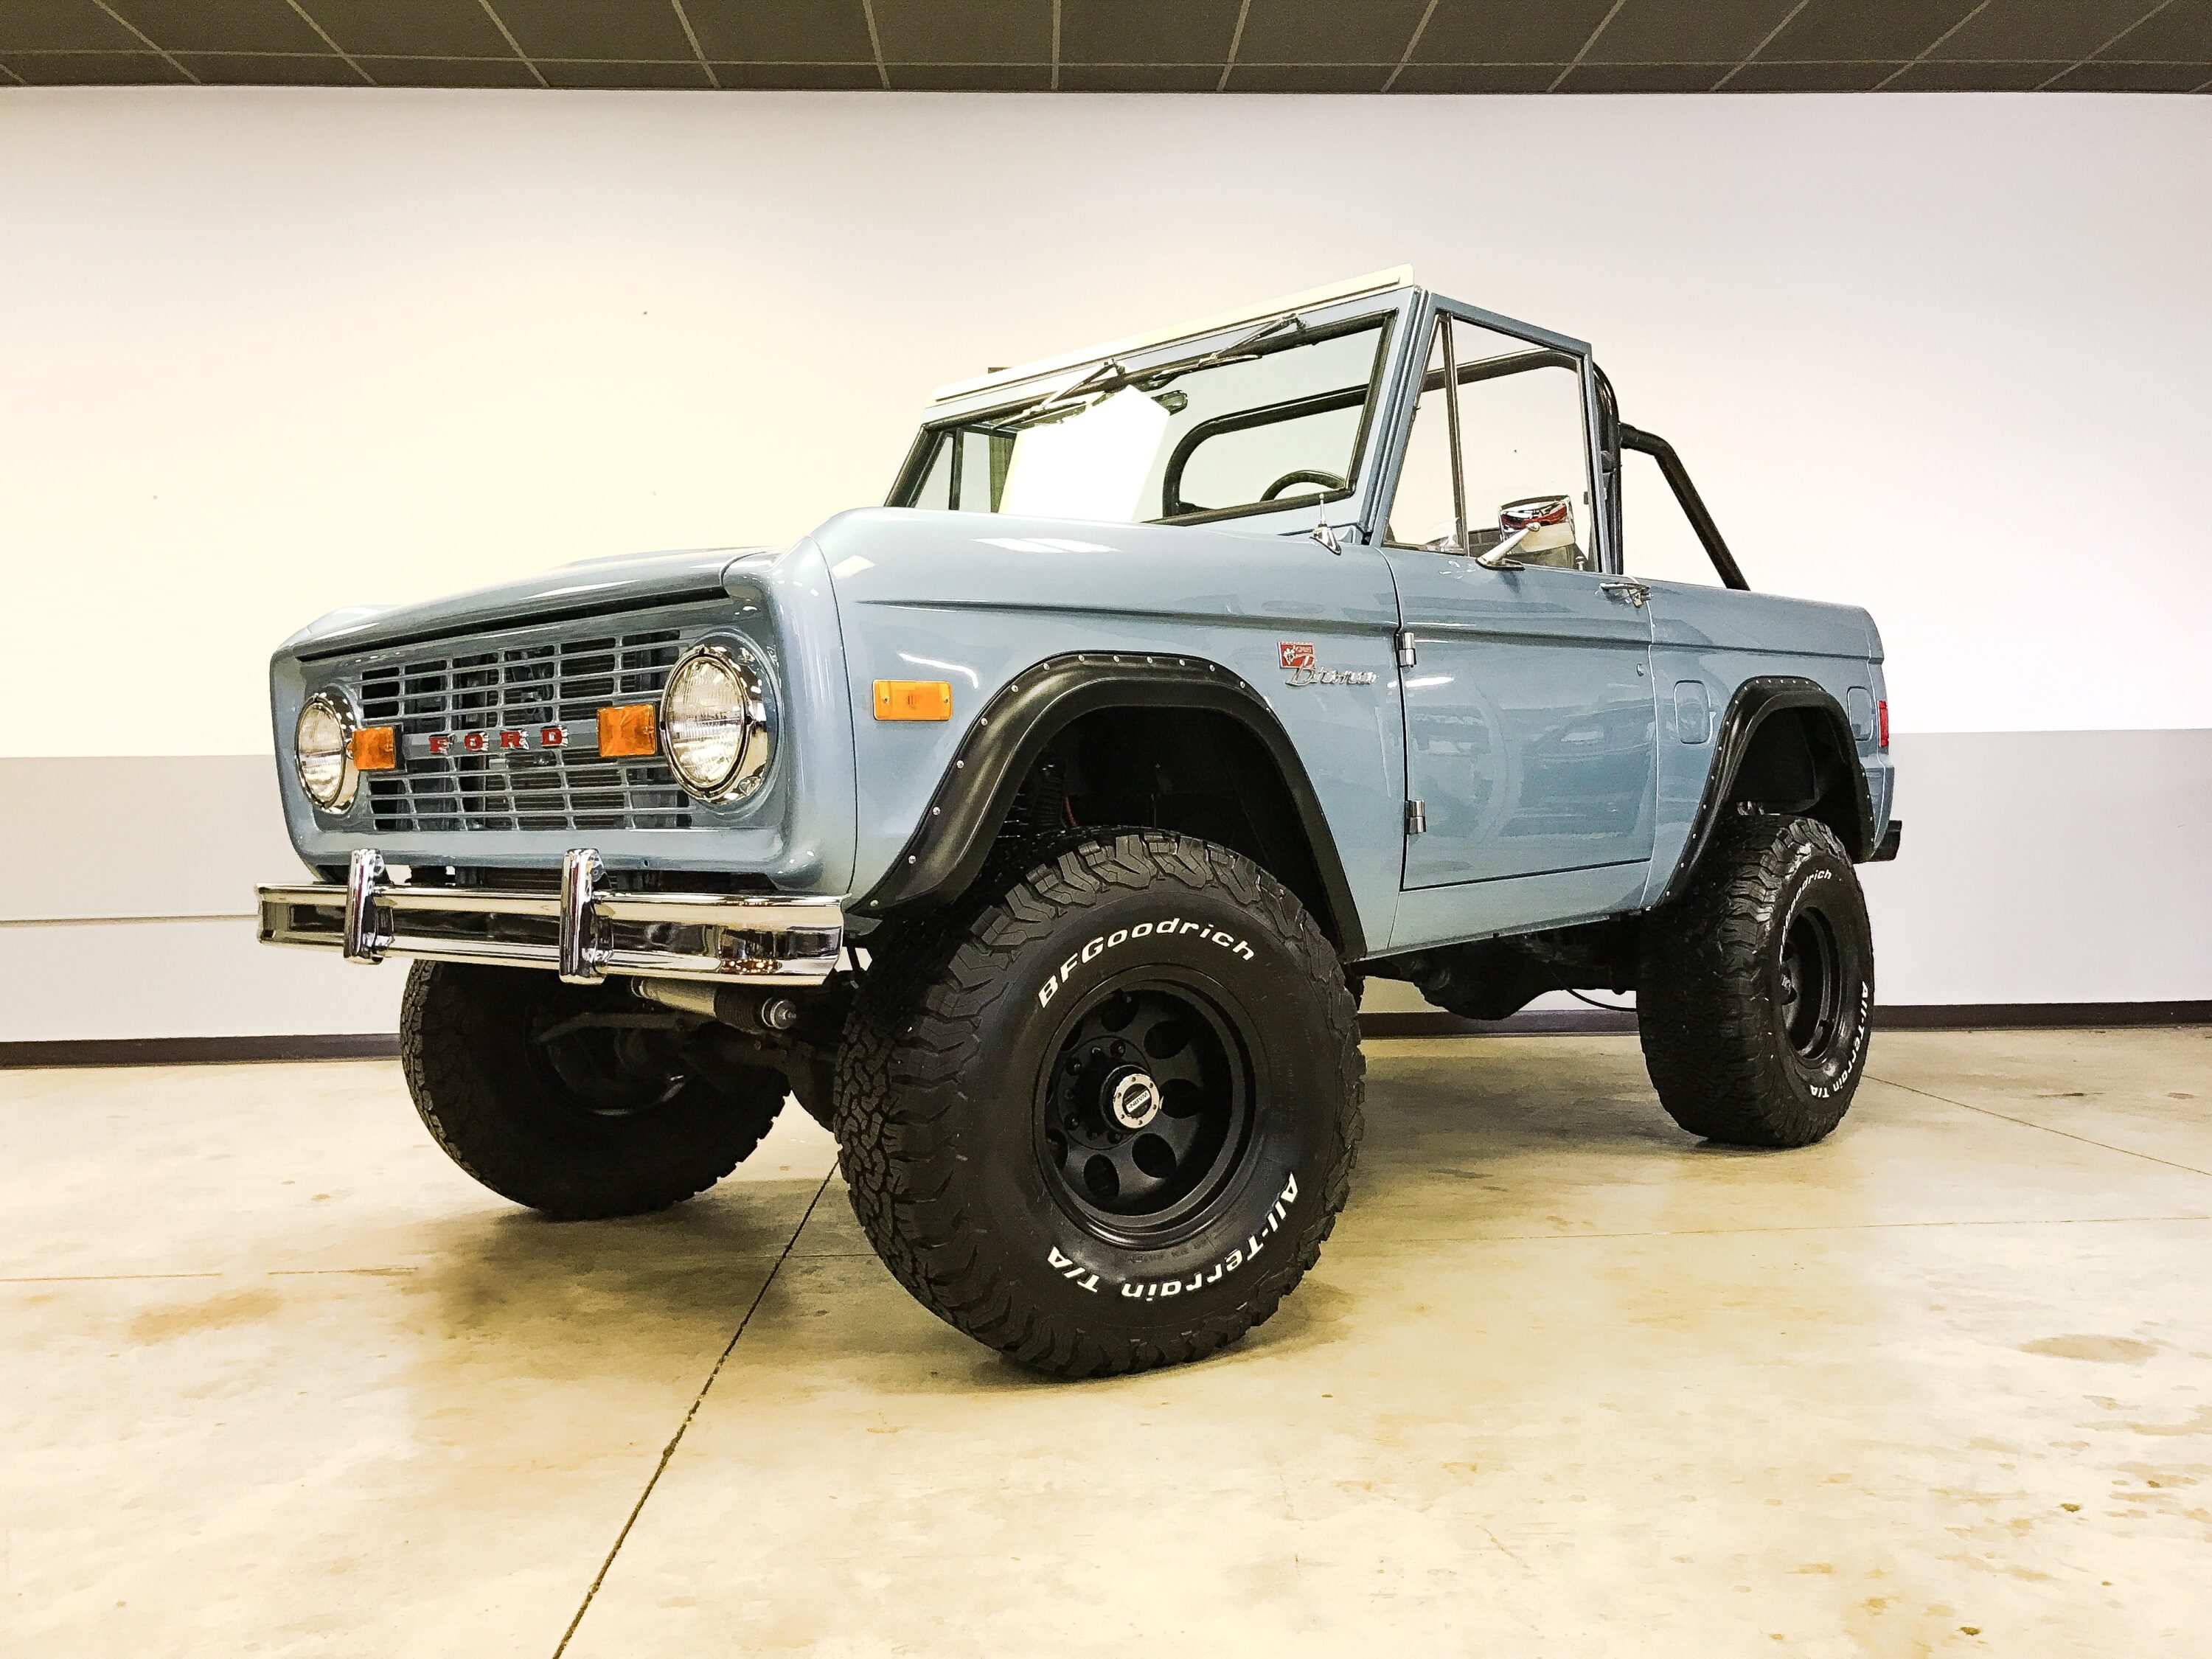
(1326, 480)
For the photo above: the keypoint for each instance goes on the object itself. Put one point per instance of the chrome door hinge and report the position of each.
(1409, 650)
(1417, 818)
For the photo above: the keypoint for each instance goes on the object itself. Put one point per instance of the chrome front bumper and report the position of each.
(581, 933)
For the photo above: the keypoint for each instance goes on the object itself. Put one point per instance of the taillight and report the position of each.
(1882, 722)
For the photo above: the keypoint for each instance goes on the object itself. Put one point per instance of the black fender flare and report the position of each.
(950, 847)
(1754, 702)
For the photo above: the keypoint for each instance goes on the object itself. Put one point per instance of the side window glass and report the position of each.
(1522, 437)
(967, 472)
(1421, 513)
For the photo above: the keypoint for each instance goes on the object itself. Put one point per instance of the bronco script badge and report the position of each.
(1301, 669)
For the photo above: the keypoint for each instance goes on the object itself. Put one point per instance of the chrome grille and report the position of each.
(542, 682)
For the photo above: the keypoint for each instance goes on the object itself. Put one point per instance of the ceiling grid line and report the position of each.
(2108, 46)
(1056, 46)
(12, 76)
(1407, 56)
(1610, 15)
(165, 55)
(1235, 39)
(1885, 81)
(876, 43)
(1765, 40)
(692, 35)
(513, 45)
(323, 35)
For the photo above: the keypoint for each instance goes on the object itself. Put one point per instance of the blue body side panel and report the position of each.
(974, 599)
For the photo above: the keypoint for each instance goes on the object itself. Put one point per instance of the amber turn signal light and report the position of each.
(375, 749)
(629, 730)
(914, 700)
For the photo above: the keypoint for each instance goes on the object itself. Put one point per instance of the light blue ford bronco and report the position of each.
(1038, 830)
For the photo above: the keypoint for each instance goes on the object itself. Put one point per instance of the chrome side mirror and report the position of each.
(1533, 522)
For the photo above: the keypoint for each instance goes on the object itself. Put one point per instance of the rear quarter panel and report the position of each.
(1706, 642)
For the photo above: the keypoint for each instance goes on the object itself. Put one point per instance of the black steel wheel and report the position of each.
(1755, 997)
(1143, 1110)
(1102, 1118)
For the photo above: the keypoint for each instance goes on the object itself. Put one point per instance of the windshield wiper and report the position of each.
(1237, 351)
(1105, 371)
(1153, 379)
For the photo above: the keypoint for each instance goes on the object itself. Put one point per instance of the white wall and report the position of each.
(264, 352)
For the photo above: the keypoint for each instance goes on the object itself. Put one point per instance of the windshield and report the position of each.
(1276, 417)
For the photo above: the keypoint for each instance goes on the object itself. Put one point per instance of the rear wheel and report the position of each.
(1103, 1120)
(570, 1099)
(1756, 995)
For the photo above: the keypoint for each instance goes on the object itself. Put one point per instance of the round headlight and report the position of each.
(322, 752)
(713, 719)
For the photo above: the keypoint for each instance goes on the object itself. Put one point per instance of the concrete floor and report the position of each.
(278, 1379)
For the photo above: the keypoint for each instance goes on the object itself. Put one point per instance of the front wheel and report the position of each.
(1103, 1120)
(568, 1099)
(1756, 994)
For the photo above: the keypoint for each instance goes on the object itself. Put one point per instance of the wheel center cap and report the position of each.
(1136, 1101)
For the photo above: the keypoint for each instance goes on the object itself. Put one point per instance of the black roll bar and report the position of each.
(1693, 505)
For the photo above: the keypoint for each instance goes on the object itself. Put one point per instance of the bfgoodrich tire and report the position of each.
(1104, 1120)
(1756, 988)
(553, 1095)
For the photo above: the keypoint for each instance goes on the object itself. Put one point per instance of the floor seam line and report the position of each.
(668, 1452)
(2065, 1134)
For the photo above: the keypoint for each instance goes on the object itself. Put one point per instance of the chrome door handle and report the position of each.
(1635, 592)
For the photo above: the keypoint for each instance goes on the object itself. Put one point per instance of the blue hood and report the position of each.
(590, 588)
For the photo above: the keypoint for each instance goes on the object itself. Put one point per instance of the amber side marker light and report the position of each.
(376, 749)
(914, 700)
(629, 730)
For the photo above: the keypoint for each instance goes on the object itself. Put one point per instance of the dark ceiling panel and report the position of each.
(1127, 31)
(2069, 29)
(798, 77)
(1327, 31)
(971, 77)
(2182, 34)
(410, 28)
(1309, 77)
(965, 32)
(95, 69)
(1939, 76)
(1763, 76)
(2102, 77)
(1687, 31)
(637, 30)
(262, 69)
(508, 71)
(1508, 32)
(1842, 31)
(1643, 77)
(71, 26)
(1476, 77)
(1414, 47)
(748, 31)
(672, 75)
(1139, 77)
(221, 25)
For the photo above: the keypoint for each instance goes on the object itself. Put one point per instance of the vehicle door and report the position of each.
(1527, 703)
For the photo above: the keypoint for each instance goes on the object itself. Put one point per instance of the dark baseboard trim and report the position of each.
(1591, 1022)
(1909, 1017)
(189, 1051)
